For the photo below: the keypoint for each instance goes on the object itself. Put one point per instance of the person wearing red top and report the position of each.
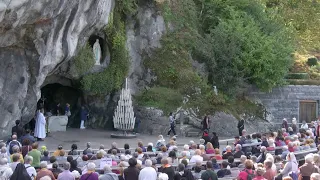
(209, 149)
(243, 175)
(217, 154)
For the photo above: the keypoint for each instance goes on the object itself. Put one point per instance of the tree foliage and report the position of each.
(303, 17)
(248, 45)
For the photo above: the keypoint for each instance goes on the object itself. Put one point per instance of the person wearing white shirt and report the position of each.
(31, 170)
(148, 173)
(5, 169)
(197, 157)
(304, 125)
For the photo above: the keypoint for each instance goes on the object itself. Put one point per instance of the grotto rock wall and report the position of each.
(36, 37)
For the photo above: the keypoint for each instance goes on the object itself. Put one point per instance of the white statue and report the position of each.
(97, 52)
(215, 90)
(123, 118)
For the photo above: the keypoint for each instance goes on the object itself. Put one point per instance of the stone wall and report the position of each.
(283, 102)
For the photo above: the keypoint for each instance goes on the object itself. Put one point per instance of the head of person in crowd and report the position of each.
(126, 146)
(185, 162)
(238, 147)
(53, 159)
(69, 158)
(132, 162)
(315, 176)
(74, 147)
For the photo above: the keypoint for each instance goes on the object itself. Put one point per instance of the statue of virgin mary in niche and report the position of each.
(97, 52)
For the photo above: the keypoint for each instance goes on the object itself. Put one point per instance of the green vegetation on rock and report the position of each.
(113, 76)
(84, 60)
(239, 41)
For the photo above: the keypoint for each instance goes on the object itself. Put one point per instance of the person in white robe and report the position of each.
(40, 128)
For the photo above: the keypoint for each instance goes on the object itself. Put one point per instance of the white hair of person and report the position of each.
(114, 145)
(263, 149)
(295, 137)
(3, 150)
(202, 147)
(290, 129)
(186, 147)
(269, 157)
(45, 178)
(75, 174)
(284, 148)
(228, 148)
(163, 176)
(308, 158)
(150, 144)
(271, 143)
(290, 144)
(202, 141)
(160, 137)
(43, 164)
(107, 169)
(254, 159)
(238, 146)
(315, 176)
(3, 161)
(122, 157)
(299, 135)
(148, 163)
(66, 166)
(243, 158)
(28, 159)
(191, 142)
(283, 129)
(139, 162)
(91, 166)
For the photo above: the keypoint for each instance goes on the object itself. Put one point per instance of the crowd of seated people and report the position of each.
(269, 156)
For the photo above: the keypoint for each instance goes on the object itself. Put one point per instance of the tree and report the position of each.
(248, 46)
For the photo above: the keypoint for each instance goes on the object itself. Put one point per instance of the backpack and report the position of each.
(250, 176)
(11, 144)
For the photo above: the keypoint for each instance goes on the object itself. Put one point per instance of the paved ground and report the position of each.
(97, 137)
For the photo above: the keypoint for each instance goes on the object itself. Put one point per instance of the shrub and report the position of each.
(313, 61)
(297, 76)
(166, 99)
(84, 60)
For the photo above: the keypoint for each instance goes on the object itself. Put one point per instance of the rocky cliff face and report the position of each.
(36, 38)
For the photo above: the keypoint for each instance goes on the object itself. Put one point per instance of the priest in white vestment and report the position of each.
(40, 128)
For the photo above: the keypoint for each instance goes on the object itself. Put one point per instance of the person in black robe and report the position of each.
(241, 126)
(215, 140)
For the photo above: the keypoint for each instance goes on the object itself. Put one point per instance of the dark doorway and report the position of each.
(307, 111)
(54, 94)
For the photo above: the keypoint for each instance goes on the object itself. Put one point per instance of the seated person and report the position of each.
(271, 145)
(196, 157)
(114, 146)
(243, 159)
(224, 171)
(73, 151)
(45, 156)
(231, 162)
(209, 149)
(217, 154)
(57, 152)
(238, 153)
(227, 153)
(215, 165)
(197, 172)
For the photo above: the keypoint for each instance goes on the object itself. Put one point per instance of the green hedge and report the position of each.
(313, 61)
(303, 82)
(297, 76)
